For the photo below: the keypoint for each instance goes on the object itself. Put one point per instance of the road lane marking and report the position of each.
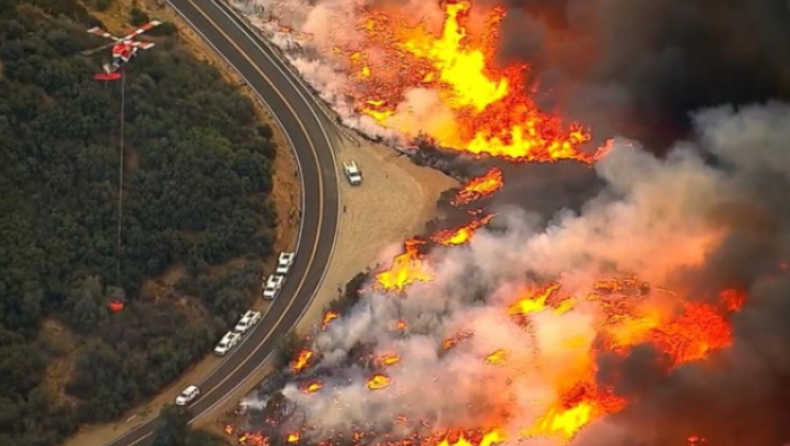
(314, 248)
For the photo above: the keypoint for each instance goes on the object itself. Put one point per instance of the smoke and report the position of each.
(703, 215)
(641, 68)
(638, 69)
(677, 221)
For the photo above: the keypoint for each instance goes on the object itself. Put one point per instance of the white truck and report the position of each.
(187, 396)
(226, 343)
(247, 321)
(284, 263)
(353, 174)
(272, 285)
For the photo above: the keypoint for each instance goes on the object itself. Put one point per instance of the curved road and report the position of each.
(307, 128)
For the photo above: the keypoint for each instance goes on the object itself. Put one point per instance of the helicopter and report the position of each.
(123, 49)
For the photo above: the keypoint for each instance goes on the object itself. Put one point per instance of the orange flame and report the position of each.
(388, 359)
(461, 235)
(540, 300)
(302, 360)
(379, 381)
(479, 187)
(451, 342)
(491, 111)
(329, 316)
(253, 439)
(312, 387)
(293, 438)
(229, 429)
(407, 268)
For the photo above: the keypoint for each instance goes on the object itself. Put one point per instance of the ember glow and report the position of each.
(312, 387)
(388, 359)
(379, 381)
(302, 360)
(329, 316)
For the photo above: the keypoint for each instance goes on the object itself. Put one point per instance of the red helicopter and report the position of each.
(123, 49)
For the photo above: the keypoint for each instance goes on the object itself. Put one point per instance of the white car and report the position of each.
(187, 396)
(272, 286)
(228, 342)
(246, 322)
(352, 172)
(284, 263)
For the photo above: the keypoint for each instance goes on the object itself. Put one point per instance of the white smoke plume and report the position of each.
(658, 218)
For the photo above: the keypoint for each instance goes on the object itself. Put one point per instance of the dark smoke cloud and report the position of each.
(742, 396)
(638, 68)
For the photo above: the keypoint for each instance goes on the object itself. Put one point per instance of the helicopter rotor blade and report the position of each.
(96, 50)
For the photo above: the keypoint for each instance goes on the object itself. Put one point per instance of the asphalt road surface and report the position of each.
(307, 129)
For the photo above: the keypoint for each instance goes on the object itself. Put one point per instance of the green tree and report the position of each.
(196, 187)
(173, 429)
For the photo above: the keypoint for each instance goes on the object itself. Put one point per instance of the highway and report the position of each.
(308, 131)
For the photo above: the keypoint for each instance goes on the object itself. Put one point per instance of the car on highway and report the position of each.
(187, 396)
(284, 262)
(272, 285)
(226, 343)
(247, 321)
(353, 174)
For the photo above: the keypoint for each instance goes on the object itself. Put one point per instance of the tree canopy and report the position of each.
(197, 180)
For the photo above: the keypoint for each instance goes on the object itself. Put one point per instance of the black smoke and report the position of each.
(639, 68)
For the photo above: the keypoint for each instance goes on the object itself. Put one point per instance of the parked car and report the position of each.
(353, 174)
(272, 285)
(187, 396)
(247, 321)
(284, 262)
(226, 343)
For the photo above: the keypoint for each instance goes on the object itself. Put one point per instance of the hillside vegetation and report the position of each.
(197, 178)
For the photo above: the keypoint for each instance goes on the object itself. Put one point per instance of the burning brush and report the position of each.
(530, 360)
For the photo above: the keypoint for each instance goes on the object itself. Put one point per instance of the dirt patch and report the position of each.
(395, 200)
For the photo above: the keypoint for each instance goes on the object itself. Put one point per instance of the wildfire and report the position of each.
(451, 342)
(406, 269)
(312, 387)
(329, 316)
(479, 187)
(379, 381)
(302, 360)
(497, 357)
(535, 301)
(490, 111)
(293, 438)
(253, 439)
(461, 235)
(388, 359)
